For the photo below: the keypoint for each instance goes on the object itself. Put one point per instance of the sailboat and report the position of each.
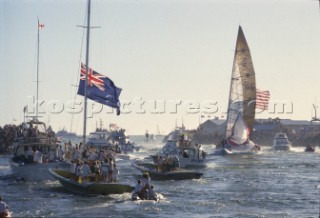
(242, 103)
(157, 134)
(35, 150)
(65, 178)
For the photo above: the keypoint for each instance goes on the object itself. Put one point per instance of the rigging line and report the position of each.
(79, 66)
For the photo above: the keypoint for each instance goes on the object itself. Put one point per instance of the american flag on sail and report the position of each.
(262, 99)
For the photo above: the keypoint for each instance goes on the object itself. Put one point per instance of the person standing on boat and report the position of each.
(77, 154)
(86, 171)
(37, 156)
(160, 163)
(104, 170)
(176, 162)
(78, 172)
(110, 169)
(73, 166)
(101, 155)
(35, 131)
(97, 170)
(80, 146)
(115, 172)
(181, 139)
(4, 209)
(93, 156)
(60, 154)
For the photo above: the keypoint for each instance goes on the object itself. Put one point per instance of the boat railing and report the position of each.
(39, 140)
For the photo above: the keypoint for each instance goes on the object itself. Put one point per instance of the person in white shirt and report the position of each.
(138, 187)
(60, 153)
(93, 156)
(73, 167)
(37, 156)
(86, 171)
(110, 169)
(152, 195)
(76, 154)
(115, 173)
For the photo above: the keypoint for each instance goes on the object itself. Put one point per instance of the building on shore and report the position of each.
(299, 132)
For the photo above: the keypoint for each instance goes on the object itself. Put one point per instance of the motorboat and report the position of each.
(281, 142)
(41, 145)
(98, 138)
(156, 174)
(121, 140)
(115, 140)
(135, 197)
(190, 154)
(88, 188)
(310, 148)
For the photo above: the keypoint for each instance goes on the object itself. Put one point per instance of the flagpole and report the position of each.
(37, 70)
(86, 77)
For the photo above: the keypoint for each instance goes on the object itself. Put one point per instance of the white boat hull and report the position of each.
(192, 162)
(281, 142)
(239, 149)
(36, 171)
(282, 147)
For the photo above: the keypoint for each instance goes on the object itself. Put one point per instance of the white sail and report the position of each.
(241, 108)
(240, 133)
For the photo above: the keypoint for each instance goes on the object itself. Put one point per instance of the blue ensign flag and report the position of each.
(100, 88)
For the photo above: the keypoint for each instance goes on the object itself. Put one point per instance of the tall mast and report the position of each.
(38, 45)
(86, 77)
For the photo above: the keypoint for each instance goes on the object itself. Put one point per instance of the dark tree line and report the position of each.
(8, 134)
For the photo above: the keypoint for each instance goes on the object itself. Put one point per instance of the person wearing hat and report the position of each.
(4, 209)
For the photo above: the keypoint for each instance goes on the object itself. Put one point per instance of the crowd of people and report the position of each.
(167, 163)
(94, 171)
(90, 164)
(86, 163)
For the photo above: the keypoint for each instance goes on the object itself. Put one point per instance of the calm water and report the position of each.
(264, 185)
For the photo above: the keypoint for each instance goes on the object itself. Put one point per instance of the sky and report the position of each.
(177, 54)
